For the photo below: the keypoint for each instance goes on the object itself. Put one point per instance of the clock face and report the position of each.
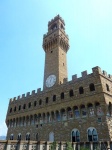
(50, 81)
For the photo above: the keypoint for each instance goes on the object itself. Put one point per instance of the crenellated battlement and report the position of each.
(28, 94)
(95, 71)
(54, 19)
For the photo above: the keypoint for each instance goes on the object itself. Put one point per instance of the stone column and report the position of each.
(47, 146)
(91, 146)
(99, 145)
(78, 146)
(108, 145)
(8, 147)
(29, 146)
(61, 146)
(56, 146)
(74, 146)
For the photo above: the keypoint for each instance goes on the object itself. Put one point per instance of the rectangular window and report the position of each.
(77, 114)
(64, 117)
(70, 114)
(84, 113)
(99, 120)
(91, 112)
(99, 111)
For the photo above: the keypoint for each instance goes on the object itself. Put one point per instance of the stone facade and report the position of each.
(76, 110)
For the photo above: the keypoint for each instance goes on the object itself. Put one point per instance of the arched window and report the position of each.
(29, 105)
(75, 135)
(37, 136)
(92, 134)
(47, 99)
(107, 87)
(51, 136)
(19, 136)
(10, 110)
(24, 106)
(40, 102)
(19, 107)
(14, 108)
(54, 98)
(62, 95)
(71, 93)
(92, 87)
(35, 103)
(11, 137)
(81, 90)
(28, 136)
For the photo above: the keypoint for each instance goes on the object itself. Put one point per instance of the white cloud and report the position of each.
(3, 129)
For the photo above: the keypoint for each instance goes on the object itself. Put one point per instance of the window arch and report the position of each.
(62, 95)
(11, 136)
(81, 90)
(28, 136)
(54, 98)
(107, 87)
(51, 136)
(92, 87)
(19, 136)
(75, 135)
(92, 134)
(71, 93)
(40, 102)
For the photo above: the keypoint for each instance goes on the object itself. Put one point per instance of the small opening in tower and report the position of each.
(51, 51)
(63, 64)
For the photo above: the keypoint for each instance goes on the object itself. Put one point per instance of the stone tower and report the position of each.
(55, 45)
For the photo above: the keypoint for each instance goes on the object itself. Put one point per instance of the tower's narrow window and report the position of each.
(24, 106)
(47, 99)
(19, 107)
(14, 108)
(29, 105)
(62, 95)
(54, 98)
(92, 87)
(10, 110)
(40, 102)
(107, 87)
(81, 90)
(71, 93)
(35, 103)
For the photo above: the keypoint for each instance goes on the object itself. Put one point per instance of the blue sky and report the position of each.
(22, 25)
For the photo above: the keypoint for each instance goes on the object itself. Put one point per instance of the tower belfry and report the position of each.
(55, 45)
